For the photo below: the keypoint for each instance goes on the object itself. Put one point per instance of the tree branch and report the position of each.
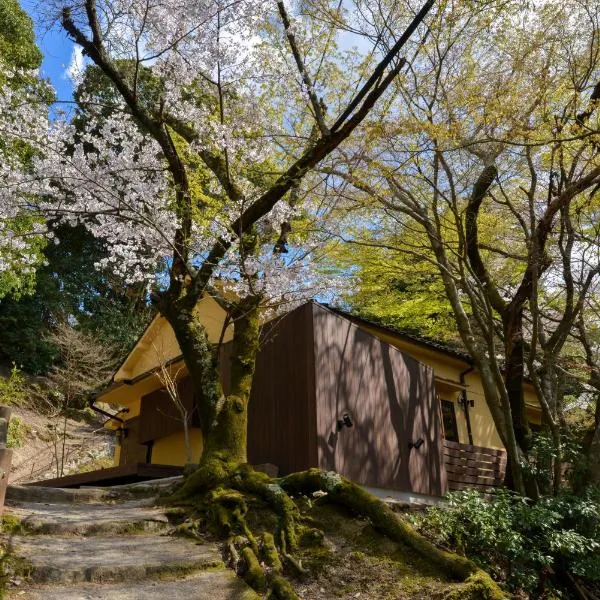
(310, 88)
(480, 189)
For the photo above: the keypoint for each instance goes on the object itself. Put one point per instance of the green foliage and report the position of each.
(17, 433)
(406, 294)
(516, 540)
(12, 388)
(17, 40)
(20, 56)
(409, 298)
(69, 286)
(543, 453)
(19, 280)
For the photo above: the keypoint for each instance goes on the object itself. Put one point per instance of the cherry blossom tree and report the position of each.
(195, 163)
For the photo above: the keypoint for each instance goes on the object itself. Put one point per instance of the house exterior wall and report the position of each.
(285, 388)
(158, 344)
(170, 450)
(281, 413)
(391, 400)
(449, 368)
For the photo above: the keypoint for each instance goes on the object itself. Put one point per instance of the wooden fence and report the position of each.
(473, 466)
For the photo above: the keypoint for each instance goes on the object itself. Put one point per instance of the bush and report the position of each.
(517, 541)
(12, 388)
(17, 433)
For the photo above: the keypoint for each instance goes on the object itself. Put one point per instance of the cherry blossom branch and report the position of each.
(308, 83)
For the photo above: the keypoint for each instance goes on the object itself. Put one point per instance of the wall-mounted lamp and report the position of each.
(416, 444)
(463, 401)
(345, 421)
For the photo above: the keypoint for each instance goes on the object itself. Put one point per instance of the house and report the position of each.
(392, 411)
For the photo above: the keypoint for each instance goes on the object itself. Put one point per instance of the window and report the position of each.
(449, 417)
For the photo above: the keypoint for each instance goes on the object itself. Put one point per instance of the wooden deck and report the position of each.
(113, 476)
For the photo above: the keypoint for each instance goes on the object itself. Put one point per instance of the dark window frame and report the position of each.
(449, 413)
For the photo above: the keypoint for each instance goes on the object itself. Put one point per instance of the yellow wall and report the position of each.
(158, 344)
(170, 450)
(117, 455)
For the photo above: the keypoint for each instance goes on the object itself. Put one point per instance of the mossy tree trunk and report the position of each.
(223, 417)
(226, 438)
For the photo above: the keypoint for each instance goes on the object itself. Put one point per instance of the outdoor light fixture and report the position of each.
(345, 421)
(463, 401)
(416, 444)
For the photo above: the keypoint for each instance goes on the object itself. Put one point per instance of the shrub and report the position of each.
(517, 541)
(12, 388)
(17, 433)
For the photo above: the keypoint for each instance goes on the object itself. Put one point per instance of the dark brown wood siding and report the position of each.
(281, 414)
(159, 417)
(132, 450)
(392, 402)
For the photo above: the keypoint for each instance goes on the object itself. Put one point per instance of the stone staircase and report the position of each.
(107, 544)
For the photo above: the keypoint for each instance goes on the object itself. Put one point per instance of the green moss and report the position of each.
(479, 586)
(281, 589)
(254, 575)
(11, 566)
(173, 572)
(270, 553)
(12, 525)
(384, 519)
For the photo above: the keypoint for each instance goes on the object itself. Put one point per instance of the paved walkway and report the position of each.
(89, 545)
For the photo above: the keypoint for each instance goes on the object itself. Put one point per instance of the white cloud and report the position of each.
(77, 65)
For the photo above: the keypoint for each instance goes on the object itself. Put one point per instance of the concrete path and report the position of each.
(88, 546)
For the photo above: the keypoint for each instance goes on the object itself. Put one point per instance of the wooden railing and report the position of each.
(473, 466)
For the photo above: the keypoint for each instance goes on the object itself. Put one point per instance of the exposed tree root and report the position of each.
(382, 517)
(220, 493)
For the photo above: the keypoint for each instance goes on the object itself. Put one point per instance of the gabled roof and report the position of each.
(407, 335)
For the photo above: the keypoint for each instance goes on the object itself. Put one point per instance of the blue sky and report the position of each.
(57, 50)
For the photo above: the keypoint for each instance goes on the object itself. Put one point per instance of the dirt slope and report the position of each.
(87, 446)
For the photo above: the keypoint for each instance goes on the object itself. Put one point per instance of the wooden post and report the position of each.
(5, 453)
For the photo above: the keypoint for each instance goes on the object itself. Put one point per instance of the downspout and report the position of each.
(107, 414)
(465, 403)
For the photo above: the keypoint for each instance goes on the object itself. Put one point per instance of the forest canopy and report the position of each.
(433, 168)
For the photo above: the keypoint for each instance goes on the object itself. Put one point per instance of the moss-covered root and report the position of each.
(281, 589)
(254, 576)
(246, 480)
(209, 475)
(270, 553)
(348, 494)
(478, 586)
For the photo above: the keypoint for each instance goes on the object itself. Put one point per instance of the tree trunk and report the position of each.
(593, 449)
(593, 478)
(200, 359)
(189, 457)
(514, 375)
(491, 385)
(224, 418)
(227, 438)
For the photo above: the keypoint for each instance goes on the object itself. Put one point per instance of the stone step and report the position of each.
(219, 584)
(89, 494)
(32, 493)
(63, 559)
(89, 519)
